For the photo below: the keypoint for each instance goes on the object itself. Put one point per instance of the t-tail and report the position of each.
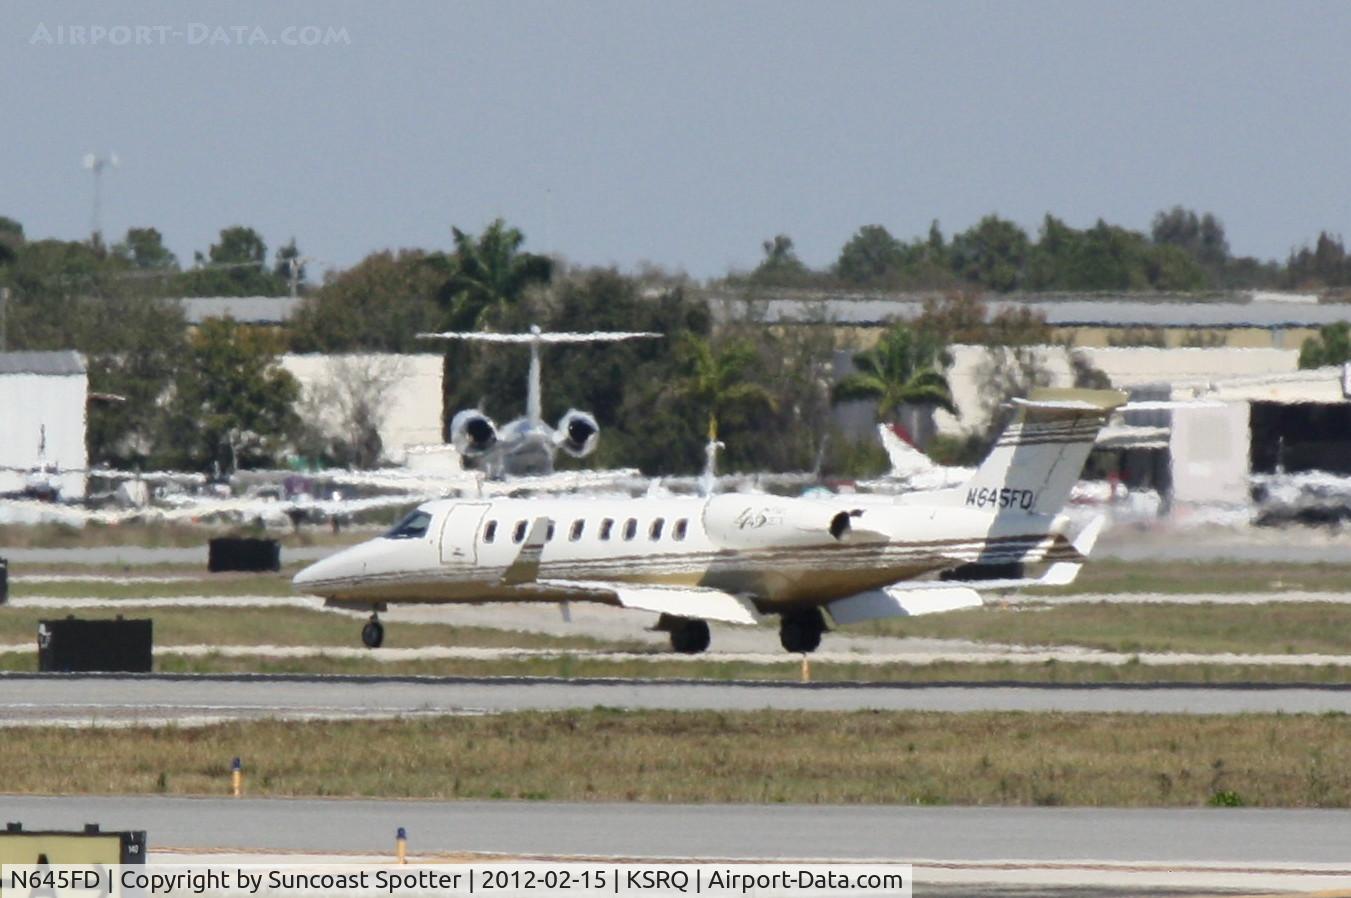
(1040, 455)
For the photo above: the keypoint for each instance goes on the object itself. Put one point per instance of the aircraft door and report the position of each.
(459, 533)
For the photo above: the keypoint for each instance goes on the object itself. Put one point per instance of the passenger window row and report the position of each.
(629, 531)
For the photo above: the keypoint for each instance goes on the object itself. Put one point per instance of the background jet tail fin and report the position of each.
(1040, 455)
(906, 460)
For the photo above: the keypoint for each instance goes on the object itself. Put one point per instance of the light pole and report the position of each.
(97, 164)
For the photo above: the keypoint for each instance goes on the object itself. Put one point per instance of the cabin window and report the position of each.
(654, 532)
(413, 526)
(605, 527)
(577, 527)
(518, 535)
(489, 531)
(630, 528)
(678, 531)
(549, 536)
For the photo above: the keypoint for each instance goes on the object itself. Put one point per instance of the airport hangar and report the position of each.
(1238, 348)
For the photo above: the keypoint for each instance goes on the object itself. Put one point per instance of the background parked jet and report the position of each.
(527, 445)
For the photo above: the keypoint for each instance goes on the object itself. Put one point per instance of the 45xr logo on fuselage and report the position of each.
(1002, 498)
(755, 518)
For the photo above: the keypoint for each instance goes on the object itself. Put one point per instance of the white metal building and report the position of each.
(42, 405)
(407, 387)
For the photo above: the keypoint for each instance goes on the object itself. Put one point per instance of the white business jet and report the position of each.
(526, 446)
(739, 558)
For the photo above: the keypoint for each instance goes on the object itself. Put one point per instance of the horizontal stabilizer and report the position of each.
(1095, 401)
(678, 601)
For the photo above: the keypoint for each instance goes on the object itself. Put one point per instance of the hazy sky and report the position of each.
(684, 134)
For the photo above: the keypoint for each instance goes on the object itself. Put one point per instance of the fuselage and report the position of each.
(780, 552)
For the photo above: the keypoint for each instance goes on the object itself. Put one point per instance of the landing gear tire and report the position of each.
(373, 634)
(690, 637)
(800, 631)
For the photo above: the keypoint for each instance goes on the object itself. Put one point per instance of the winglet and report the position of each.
(525, 569)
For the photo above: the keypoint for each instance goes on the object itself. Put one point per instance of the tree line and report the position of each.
(1183, 252)
(215, 397)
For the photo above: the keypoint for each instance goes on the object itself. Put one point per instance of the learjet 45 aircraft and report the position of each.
(740, 558)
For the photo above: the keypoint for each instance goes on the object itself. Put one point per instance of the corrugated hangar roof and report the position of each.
(1061, 312)
(245, 309)
(61, 363)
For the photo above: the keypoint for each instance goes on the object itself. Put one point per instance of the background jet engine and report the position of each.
(577, 433)
(472, 432)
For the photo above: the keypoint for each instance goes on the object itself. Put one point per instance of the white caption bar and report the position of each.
(584, 880)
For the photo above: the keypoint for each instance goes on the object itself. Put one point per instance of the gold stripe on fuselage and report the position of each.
(812, 574)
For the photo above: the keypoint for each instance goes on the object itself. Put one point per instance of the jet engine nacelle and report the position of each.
(739, 521)
(472, 432)
(577, 433)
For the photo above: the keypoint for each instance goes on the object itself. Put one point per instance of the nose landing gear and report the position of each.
(373, 634)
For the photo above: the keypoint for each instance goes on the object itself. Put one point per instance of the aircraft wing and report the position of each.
(678, 601)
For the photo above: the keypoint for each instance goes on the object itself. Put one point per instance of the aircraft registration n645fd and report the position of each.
(739, 558)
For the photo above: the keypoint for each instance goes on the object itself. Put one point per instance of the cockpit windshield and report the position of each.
(413, 526)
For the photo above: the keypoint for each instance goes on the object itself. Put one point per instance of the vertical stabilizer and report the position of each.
(1039, 457)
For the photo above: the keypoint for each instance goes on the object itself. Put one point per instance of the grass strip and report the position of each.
(569, 665)
(300, 627)
(1110, 575)
(663, 756)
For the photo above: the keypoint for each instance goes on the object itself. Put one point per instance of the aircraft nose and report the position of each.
(341, 566)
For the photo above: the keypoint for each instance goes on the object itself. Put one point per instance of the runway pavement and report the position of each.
(121, 700)
(1210, 848)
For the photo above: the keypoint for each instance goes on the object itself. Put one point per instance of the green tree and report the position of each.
(1332, 346)
(11, 239)
(232, 403)
(993, 254)
(781, 266)
(138, 346)
(144, 248)
(1106, 257)
(378, 305)
(236, 265)
(490, 274)
(904, 368)
(718, 379)
(1201, 237)
(871, 257)
(1326, 265)
(67, 295)
(486, 281)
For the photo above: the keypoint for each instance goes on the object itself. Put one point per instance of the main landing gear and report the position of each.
(373, 634)
(689, 635)
(800, 631)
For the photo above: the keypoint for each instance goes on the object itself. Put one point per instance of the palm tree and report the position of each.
(718, 379)
(903, 369)
(490, 274)
(484, 278)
